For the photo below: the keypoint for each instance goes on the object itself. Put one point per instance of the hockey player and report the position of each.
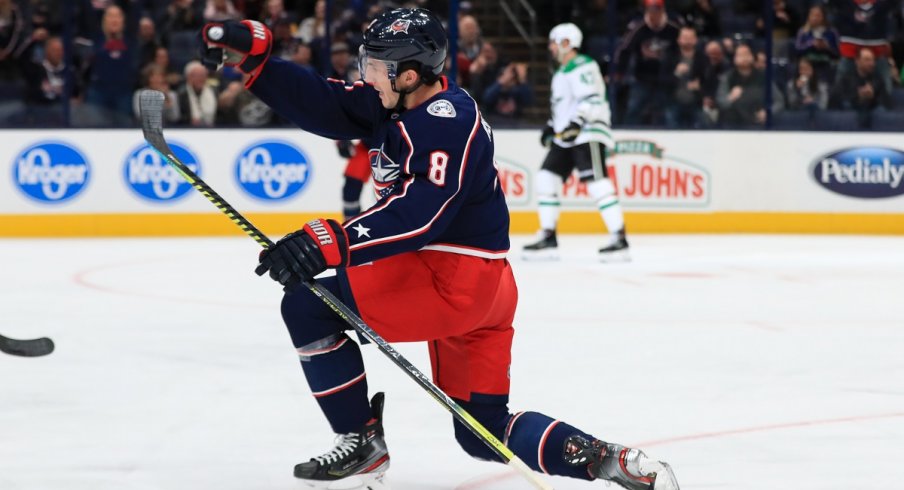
(577, 136)
(426, 263)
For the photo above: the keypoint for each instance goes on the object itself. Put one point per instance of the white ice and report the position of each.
(747, 362)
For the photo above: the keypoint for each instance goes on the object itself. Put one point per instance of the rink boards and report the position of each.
(108, 183)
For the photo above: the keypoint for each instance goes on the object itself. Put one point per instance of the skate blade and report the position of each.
(615, 257)
(365, 481)
(665, 478)
(545, 255)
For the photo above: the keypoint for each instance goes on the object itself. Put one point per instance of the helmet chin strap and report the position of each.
(403, 92)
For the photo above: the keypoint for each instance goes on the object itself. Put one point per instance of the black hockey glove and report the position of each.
(571, 132)
(245, 45)
(301, 255)
(547, 136)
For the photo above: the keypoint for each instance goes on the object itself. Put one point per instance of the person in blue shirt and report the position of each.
(427, 262)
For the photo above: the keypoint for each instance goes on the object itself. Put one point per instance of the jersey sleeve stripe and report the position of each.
(423, 229)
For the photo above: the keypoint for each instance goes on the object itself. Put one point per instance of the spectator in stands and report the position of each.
(14, 39)
(147, 41)
(314, 27)
(183, 16)
(197, 100)
(45, 83)
(652, 44)
(818, 43)
(714, 66)
(221, 10)
(239, 107)
(863, 24)
(470, 41)
(785, 23)
(302, 55)
(483, 71)
(509, 95)
(807, 92)
(741, 95)
(162, 61)
(341, 62)
(862, 89)
(155, 79)
(113, 68)
(703, 17)
(275, 12)
(689, 71)
(283, 41)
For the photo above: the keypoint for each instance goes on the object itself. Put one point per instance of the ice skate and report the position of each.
(629, 468)
(617, 250)
(359, 460)
(545, 248)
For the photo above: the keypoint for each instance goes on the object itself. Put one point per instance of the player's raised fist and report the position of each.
(245, 45)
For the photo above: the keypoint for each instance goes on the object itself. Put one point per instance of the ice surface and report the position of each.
(746, 361)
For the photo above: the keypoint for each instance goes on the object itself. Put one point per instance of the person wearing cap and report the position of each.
(653, 45)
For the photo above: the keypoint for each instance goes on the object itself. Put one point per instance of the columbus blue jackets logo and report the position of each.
(400, 25)
(385, 171)
(51, 172)
(149, 176)
(273, 170)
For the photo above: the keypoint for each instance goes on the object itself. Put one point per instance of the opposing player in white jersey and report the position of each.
(577, 135)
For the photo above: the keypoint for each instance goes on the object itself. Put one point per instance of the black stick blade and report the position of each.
(26, 348)
(150, 104)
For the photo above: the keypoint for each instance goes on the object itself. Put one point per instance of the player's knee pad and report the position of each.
(548, 183)
(492, 416)
(308, 318)
(330, 343)
(601, 188)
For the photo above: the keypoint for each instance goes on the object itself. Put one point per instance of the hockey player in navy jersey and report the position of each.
(426, 263)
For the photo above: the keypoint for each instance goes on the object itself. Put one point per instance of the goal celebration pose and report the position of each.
(426, 263)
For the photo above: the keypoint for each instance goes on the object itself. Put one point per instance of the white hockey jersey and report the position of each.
(579, 93)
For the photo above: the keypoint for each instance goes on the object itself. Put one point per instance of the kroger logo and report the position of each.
(273, 170)
(862, 172)
(148, 174)
(51, 172)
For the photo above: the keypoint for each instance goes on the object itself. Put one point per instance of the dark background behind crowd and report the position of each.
(786, 64)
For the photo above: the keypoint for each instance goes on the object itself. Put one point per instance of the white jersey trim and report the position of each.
(462, 250)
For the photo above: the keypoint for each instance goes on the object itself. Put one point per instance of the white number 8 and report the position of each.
(439, 160)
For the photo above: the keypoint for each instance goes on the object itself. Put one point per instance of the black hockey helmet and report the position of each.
(405, 35)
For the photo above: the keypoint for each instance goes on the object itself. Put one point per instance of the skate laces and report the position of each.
(345, 445)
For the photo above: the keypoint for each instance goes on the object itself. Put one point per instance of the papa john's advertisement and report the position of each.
(644, 172)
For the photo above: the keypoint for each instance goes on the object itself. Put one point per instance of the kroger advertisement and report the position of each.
(97, 172)
(115, 171)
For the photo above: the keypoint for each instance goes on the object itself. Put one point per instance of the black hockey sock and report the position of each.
(538, 440)
(338, 382)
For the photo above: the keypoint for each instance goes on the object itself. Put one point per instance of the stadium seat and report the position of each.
(888, 120)
(792, 120)
(897, 99)
(836, 120)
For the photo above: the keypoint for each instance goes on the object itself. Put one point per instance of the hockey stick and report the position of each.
(151, 107)
(26, 348)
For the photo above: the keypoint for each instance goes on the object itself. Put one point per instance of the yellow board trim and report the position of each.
(278, 224)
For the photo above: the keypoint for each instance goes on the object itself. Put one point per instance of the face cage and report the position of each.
(363, 58)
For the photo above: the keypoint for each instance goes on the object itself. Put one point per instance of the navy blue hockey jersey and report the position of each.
(432, 165)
